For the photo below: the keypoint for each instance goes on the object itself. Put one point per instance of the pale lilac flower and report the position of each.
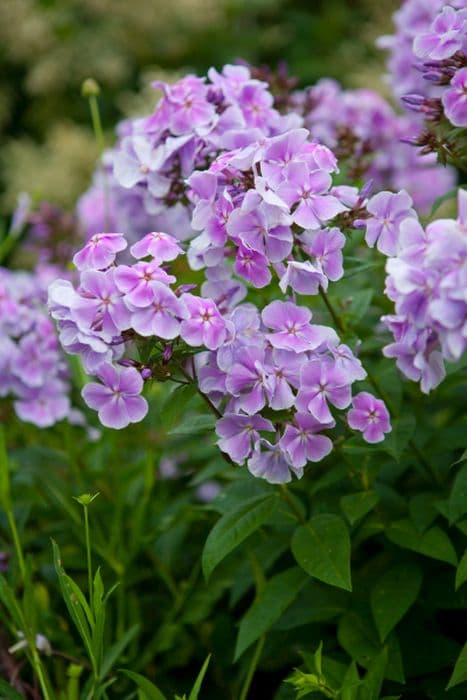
(387, 211)
(303, 277)
(139, 161)
(302, 442)
(455, 99)
(161, 246)
(262, 227)
(238, 434)
(100, 251)
(43, 406)
(325, 246)
(99, 304)
(203, 324)
(345, 360)
(291, 323)
(161, 317)
(250, 380)
(446, 35)
(272, 463)
(322, 382)
(139, 281)
(117, 399)
(252, 266)
(370, 416)
(285, 369)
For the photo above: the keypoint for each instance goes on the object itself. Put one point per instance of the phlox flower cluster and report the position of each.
(367, 135)
(269, 207)
(277, 381)
(143, 181)
(33, 369)
(115, 306)
(428, 58)
(427, 281)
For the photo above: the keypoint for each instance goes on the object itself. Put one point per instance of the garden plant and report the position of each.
(233, 453)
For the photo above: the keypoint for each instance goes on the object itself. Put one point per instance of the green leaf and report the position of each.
(195, 424)
(322, 548)
(114, 652)
(370, 688)
(459, 675)
(234, 527)
(433, 543)
(9, 693)
(443, 198)
(356, 505)
(76, 605)
(393, 594)
(461, 573)
(276, 596)
(175, 404)
(148, 689)
(402, 430)
(199, 680)
(458, 496)
(360, 303)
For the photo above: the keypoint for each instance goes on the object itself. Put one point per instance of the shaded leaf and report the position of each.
(322, 548)
(199, 680)
(356, 505)
(393, 594)
(433, 543)
(148, 689)
(459, 675)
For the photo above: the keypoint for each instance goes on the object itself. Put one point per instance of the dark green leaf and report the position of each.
(234, 527)
(393, 594)
(9, 693)
(196, 424)
(402, 431)
(199, 680)
(370, 688)
(459, 675)
(433, 543)
(458, 496)
(113, 653)
(278, 593)
(322, 548)
(148, 689)
(461, 573)
(356, 505)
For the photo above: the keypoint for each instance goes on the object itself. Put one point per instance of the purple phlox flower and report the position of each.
(303, 277)
(370, 416)
(222, 288)
(99, 304)
(285, 367)
(256, 104)
(414, 287)
(455, 99)
(37, 358)
(161, 318)
(239, 434)
(345, 360)
(100, 251)
(261, 227)
(387, 211)
(291, 323)
(270, 462)
(447, 34)
(325, 246)
(250, 380)
(280, 153)
(137, 282)
(231, 80)
(302, 441)
(245, 321)
(203, 324)
(161, 246)
(252, 266)
(186, 106)
(138, 161)
(413, 240)
(117, 399)
(321, 382)
(45, 405)
(309, 191)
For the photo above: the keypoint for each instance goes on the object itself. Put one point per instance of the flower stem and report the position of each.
(252, 668)
(17, 543)
(338, 321)
(88, 554)
(286, 496)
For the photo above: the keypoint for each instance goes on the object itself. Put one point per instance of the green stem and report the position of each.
(286, 496)
(339, 323)
(252, 668)
(96, 123)
(88, 554)
(18, 547)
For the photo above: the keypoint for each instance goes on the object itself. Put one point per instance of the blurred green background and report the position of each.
(48, 47)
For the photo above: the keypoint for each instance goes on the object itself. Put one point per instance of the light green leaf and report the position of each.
(370, 689)
(356, 505)
(175, 404)
(433, 543)
(148, 690)
(5, 498)
(199, 680)
(360, 303)
(322, 548)
(459, 675)
(234, 527)
(393, 594)
(278, 593)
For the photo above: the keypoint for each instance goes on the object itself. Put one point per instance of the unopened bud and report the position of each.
(90, 88)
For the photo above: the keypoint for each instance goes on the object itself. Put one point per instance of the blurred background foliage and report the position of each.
(48, 47)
